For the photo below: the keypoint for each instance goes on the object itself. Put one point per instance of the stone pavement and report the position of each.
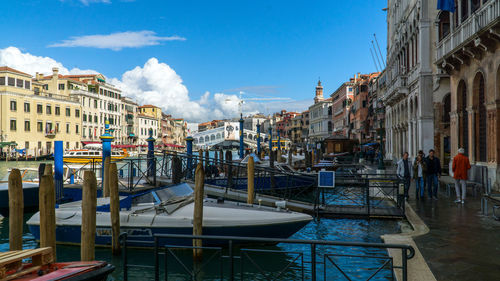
(462, 244)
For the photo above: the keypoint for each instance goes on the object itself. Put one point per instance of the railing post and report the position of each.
(367, 185)
(313, 262)
(230, 254)
(157, 260)
(123, 238)
(404, 264)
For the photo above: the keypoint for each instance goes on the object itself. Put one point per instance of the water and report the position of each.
(355, 230)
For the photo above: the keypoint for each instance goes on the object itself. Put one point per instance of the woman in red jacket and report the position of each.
(460, 167)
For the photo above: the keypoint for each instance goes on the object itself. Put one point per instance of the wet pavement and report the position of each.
(462, 244)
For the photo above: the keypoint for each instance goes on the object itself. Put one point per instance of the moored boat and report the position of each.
(91, 153)
(170, 211)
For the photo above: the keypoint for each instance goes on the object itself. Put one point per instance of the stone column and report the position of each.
(471, 134)
(454, 132)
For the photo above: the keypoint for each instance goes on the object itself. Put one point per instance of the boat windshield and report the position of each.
(168, 194)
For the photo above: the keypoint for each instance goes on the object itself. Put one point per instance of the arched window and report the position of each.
(207, 139)
(212, 137)
(463, 122)
(218, 135)
(480, 116)
(446, 109)
(201, 139)
(444, 24)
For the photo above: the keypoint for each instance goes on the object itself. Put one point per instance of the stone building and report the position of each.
(320, 117)
(341, 101)
(468, 54)
(359, 110)
(409, 77)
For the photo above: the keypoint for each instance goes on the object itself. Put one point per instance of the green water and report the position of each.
(282, 254)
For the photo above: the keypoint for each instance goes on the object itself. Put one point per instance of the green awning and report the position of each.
(7, 143)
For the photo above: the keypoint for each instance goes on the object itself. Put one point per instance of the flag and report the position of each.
(446, 5)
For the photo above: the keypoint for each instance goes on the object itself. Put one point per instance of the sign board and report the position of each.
(326, 179)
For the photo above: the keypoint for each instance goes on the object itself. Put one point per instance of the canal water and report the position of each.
(273, 260)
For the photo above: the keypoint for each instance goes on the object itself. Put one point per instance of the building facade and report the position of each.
(320, 117)
(468, 54)
(408, 96)
(34, 116)
(341, 100)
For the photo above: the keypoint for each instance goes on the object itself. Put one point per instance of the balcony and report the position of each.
(50, 133)
(395, 89)
(481, 21)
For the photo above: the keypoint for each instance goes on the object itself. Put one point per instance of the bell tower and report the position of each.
(319, 92)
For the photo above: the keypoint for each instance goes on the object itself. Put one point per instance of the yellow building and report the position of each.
(152, 111)
(33, 116)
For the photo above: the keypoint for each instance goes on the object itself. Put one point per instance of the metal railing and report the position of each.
(305, 262)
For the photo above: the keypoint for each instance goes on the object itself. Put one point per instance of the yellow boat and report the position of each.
(91, 155)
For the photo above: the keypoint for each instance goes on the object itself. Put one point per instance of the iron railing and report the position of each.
(306, 262)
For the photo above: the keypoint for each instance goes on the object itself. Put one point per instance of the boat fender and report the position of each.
(260, 202)
(280, 204)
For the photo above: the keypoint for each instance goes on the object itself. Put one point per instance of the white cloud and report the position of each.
(26, 62)
(87, 2)
(117, 41)
(158, 84)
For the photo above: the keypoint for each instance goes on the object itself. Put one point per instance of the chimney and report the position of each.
(55, 71)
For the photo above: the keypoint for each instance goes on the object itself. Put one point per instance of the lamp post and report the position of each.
(381, 165)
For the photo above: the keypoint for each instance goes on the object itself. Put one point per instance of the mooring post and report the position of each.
(16, 209)
(105, 189)
(58, 169)
(313, 158)
(242, 148)
(189, 152)
(221, 157)
(200, 156)
(47, 206)
(271, 165)
(89, 205)
(279, 156)
(250, 180)
(207, 160)
(258, 137)
(151, 172)
(114, 209)
(176, 170)
(48, 170)
(199, 183)
(229, 168)
(106, 140)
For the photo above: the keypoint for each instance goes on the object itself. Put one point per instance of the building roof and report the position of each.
(6, 68)
(146, 116)
(148, 106)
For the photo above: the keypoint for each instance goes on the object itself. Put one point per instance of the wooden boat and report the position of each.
(169, 210)
(42, 267)
(91, 153)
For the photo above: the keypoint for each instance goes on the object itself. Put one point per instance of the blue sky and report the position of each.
(266, 48)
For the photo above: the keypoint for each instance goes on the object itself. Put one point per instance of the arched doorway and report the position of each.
(445, 121)
(463, 122)
(480, 117)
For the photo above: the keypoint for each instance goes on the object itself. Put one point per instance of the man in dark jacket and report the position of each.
(433, 173)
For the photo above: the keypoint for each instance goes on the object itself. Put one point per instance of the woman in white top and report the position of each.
(419, 171)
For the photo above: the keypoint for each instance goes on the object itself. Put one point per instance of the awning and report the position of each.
(90, 142)
(7, 143)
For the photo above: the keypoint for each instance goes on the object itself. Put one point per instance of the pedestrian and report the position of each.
(419, 173)
(405, 173)
(460, 167)
(433, 174)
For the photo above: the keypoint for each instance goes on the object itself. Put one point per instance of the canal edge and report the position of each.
(418, 269)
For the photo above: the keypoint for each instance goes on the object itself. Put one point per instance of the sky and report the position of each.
(194, 58)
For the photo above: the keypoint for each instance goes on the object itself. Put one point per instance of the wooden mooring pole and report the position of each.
(200, 156)
(199, 184)
(89, 205)
(250, 181)
(47, 206)
(176, 170)
(114, 206)
(16, 209)
(105, 186)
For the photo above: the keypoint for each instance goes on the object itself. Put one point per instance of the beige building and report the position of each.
(34, 115)
(144, 123)
(129, 121)
(153, 111)
(468, 54)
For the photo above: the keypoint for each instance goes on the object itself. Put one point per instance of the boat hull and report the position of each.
(30, 196)
(143, 236)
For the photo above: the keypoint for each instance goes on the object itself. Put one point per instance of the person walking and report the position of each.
(460, 166)
(433, 174)
(419, 173)
(405, 173)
